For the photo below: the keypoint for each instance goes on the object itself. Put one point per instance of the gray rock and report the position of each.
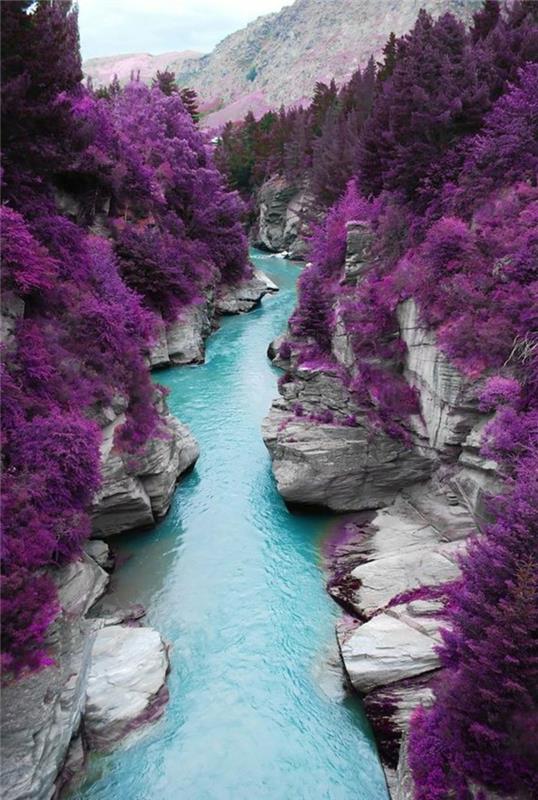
(41, 712)
(11, 309)
(381, 579)
(404, 788)
(477, 477)
(448, 401)
(103, 414)
(274, 348)
(183, 341)
(72, 771)
(342, 468)
(390, 647)
(127, 674)
(164, 462)
(283, 212)
(245, 296)
(401, 699)
(359, 239)
(341, 346)
(270, 285)
(100, 552)
(137, 491)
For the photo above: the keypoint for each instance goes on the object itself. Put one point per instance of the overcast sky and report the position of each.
(108, 27)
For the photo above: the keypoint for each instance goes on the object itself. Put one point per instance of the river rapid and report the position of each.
(234, 582)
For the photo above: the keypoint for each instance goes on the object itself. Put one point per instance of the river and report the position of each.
(234, 581)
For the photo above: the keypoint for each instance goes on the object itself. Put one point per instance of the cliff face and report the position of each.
(428, 495)
(284, 211)
(93, 693)
(278, 58)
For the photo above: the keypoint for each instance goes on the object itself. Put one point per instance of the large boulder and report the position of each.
(391, 647)
(41, 712)
(126, 683)
(341, 467)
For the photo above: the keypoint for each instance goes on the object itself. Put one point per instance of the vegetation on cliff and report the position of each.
(438, 150)
(113, 210)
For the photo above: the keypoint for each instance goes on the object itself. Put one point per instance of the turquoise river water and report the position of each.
(234, 581)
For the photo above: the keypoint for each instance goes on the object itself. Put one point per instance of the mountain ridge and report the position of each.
(277, 58)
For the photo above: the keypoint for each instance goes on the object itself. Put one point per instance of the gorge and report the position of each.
(269, 526)
(234, 582)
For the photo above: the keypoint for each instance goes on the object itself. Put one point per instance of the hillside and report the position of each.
(279, 57)
(102, 70)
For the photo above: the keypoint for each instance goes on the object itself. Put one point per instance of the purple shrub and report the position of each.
(284, 351)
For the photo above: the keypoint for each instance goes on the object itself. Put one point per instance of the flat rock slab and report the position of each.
(389, 648)
(246, 296)
(127, 673)
(339, 467)
(384, 578)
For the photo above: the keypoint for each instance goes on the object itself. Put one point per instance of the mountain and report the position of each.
(278, 57)
(102, 70)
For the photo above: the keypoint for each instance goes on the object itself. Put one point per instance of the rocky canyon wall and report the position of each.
(425, 494)
(284, 209)
(108, 669)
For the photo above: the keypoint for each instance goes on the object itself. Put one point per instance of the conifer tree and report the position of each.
(190, 101)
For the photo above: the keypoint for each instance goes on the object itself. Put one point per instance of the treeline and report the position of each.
(328, 141)
(319, 141)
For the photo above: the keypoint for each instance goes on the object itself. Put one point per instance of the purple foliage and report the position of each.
(450, 148)
(319, 283)
(133, 168)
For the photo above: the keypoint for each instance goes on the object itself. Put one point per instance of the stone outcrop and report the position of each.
(136, 491)
(183, 341)
(284, 209)
(448, 401)
(126, 683)
(245, 296)
(340, 465)
(359, 239)
(42, 711)
(389, 574)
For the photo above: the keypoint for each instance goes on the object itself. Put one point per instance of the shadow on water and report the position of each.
(233, 579)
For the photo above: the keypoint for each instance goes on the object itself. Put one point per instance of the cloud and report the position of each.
(109, 27)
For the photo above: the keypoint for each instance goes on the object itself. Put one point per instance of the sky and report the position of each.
(110, 27)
